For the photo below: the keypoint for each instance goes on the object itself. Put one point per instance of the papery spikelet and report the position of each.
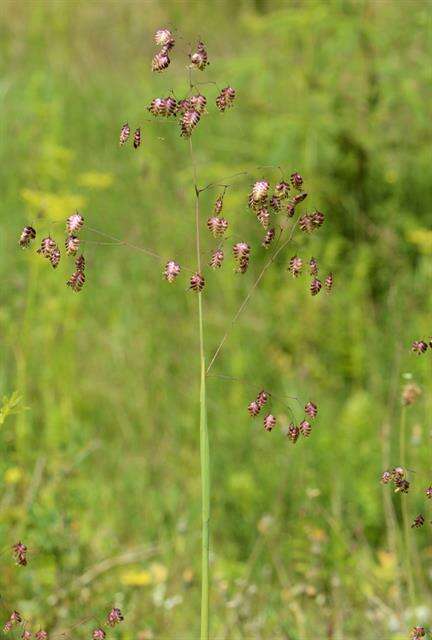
(263, 217)
(217, 226)
(241, 250)
(76, 281)
(124, 133)
(47, 247)
(98, 634)
(26, 635)
(72, 245)
(28, 234)
(80, 263)
(41, 635)
(318, 218)
(20, 553)
(172, 270)
(197, 282)
(164, 38)
(417, 633)
(296, 180)
(199, 58)
(225, 99)
(254, 408)
(262, 398)
(305, 428)
(114, 617)
(137, 138)
(313, 267)
(269, 422)
(311, 409)
(198, 102)
(189, 121)
(306, 223)
(328, 282)
(419, 346)
(293, 432)
(15, 617)
(296, 266)
(218, 205)
(281, 189)
(428, 492)
(290, 210)
(386, 477)
(158, 107)
(216, 259)
(418, 521)
(275, 203)
(74, 223)
(183, 105)
(299, 198)
(170, 106)
(7, 626)
(160, 61)
(54, 257)
(268, 238)
(260, 190)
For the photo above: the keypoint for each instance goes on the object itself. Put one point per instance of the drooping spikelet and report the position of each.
(305, 428)
(311, 409)
(41, 635)
(98, 634)
(269, 422)
(293, 432)
(417, 633)
(419, 346)
(263, 217)
(170, 106)
(137, 138)
(47, 247)
(262, 398)
(72, 245)
(158, 107)
(164, 38)
(26, 635)
(124, 133)
(296, 180)
(428, 492)
(217, 226)
(197, 282)
(20, 553)
(418, 521)
(76, 281)
(198, 102)
(290, 210)
(328, 282)
(254, 408)
(275, 203)
(313, 267)
(315, 286)
(216, 259)
(74, 223)
(225, 99)
(172, 270)
(218, 205)
(306, 223)
(281, 189)
(28, 234)
(296, 266)
(318, 218)
(188, 122)
(161, 60)
(114, 617)
(80, 263)
(299, 198)
(241, 251)
(199, 58)
(268, 238)
(260, 190)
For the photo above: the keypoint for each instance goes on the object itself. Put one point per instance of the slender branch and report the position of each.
(249, 294)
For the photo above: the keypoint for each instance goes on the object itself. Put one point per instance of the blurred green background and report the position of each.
(99, 465)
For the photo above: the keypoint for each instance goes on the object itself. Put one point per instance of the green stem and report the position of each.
(204, 438)
(405, 518)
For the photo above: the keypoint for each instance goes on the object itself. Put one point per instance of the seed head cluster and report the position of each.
(296, 267)
(396, 476)
(304, 428)
(161, 60)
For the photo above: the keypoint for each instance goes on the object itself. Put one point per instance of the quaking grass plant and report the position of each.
(276, 212)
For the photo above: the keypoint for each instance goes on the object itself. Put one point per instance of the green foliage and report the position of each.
(104, 465)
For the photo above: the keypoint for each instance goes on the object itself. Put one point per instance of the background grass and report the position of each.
(100, 462)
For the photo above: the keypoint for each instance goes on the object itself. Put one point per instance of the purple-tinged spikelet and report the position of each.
(305, 428)
(74, 223)
(417, 632)
(170, 106)
(158, 107)
(7, 626)
(254, 408)
(402, 485)
(80, 263)
(137, 138)
(98, 634)
(198, 102)
(54, 257)
(418, 521)
(28, 234)
(216, 259)
(172, 270)
(241, 251)
(318, 218)
(225, 99)
(281, 189)
(293, 432)
(188, 122)
(114, 617)
(268, 238)
(306, 223)
(47, 247)
(269, 422)
(311, 409)
(26, 635)
(72, 245)
(20, 553)
(218, 205)
(313, 266)
(290, 210)
(164, 38)
(124, 133)
(197, 282)
(296, 266)
(275, 203)
(161, 61)
(41, 635)
(296, 180)
(299, 198)
(428, 492)
(217, 226)
(262, 398)
(199, 58)
(263, 217)
(315, 286)
(328, 282)
(76, 281)
(419, 347)
(16, 617)
(260, 190)
(386, 477)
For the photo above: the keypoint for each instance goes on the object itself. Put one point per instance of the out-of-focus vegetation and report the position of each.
(99, 466)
